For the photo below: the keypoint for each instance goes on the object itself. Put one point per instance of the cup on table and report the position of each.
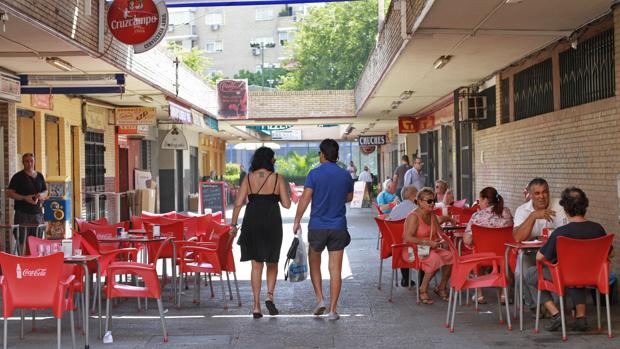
(41, 249)
(444, 211)
(124, 234)
(78, 252)
(208, 211)
(456, 218)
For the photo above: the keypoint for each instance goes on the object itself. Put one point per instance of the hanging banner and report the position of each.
(139, 130)
(286, 135)
(141, 23)
(135, 116)
(180, 114)
(96, 117)
(42, 101)
(174, 139)
(232, 98)
(410, 124)
(10, 88)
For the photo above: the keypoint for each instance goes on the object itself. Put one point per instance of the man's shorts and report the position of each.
(334, 240)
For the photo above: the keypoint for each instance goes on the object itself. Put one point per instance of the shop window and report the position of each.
(95, 165)
(25, 131)
(214, 46)
(146, 155)
(533, 90)
(587, 73)
(264, 14)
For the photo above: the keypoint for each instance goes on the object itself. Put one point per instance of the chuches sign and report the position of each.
(372, 140)
(141, 23)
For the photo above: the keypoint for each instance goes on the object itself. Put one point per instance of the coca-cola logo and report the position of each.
(26, 272)
(142, 23)
(231, 86)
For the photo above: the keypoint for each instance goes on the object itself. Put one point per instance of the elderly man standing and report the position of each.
(415, 176)
(531, 218)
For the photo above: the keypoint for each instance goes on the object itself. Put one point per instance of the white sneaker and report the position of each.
(320, 309)
(332, 315)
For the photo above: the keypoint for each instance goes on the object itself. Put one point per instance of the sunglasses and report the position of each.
(430, 201)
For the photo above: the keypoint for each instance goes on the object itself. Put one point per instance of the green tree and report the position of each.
(274, 74)
(332, 46)
(295, 165)
(194, 59)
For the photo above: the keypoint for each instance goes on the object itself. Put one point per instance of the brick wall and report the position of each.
(9, 125)
(301, 104)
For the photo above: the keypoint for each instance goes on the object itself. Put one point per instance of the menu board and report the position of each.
(212, 196)
(359, 191)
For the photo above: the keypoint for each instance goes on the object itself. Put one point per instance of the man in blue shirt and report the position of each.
(387, 199)
(329, 188)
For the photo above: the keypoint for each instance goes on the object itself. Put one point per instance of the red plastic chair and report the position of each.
(385, 250)
(105, 231)
(151, 288)
(462, 271)
(401, 258)
(376, 206)
(204, 226)
(36, 283)
(106, 257)
(190, 225)
(581, 263)
(173, 230)
(224, 252)
(199, 259)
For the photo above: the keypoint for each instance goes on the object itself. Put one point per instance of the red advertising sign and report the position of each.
(409, 124)
(232, 98)
(141, 23)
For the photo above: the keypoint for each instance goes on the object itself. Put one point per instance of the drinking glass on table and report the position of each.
(456, 218)
(78, 252)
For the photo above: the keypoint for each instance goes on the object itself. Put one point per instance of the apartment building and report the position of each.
(225, 35)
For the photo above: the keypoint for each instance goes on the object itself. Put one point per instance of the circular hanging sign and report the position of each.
(141, 23)
(367, 149)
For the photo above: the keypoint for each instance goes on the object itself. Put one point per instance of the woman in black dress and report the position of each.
(261, 230)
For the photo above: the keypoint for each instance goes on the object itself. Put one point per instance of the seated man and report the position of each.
(402, 210)
(575, 204)
(387, 199)
(529, 220)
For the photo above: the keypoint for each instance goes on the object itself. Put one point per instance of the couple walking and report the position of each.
(329, 188)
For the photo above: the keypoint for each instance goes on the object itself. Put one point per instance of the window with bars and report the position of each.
(533, 90)
(489, 93)
(587, 73)
(505, 87)
(146, 155)
(95, 165)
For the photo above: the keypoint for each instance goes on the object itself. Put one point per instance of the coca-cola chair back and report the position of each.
(105, 231)
(34, 243)
(30, 282)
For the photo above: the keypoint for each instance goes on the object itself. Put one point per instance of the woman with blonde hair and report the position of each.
(422, 228)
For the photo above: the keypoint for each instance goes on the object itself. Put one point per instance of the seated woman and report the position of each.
(492, 214)
(448, 199)
(441, 188)
(422, 228)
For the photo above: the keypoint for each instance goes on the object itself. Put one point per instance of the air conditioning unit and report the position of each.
(215, 27)
(473, 107)
(256, 51)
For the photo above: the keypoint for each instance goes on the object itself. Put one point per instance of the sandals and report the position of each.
(442, 293)
(271, 307)
(425, 299)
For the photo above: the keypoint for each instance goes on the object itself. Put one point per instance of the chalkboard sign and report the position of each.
(212, 196)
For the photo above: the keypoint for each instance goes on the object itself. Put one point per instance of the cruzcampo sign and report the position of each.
(141, 23)
(372, 140)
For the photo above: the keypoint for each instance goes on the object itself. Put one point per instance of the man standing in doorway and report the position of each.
(415, 176)
(28, 189)
(242, 174)
(399, 174)
(329, 188)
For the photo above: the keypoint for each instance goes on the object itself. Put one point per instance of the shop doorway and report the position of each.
(3, 217)
(466, 162)
(193, 170)
(428, 154)
(179, 172)
(25, 134)
(446, 155)
(123, 182)
(76, 178)
(52, 145)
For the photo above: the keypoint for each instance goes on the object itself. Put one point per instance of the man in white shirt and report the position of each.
(531, 218)
(402, 210)
(414, 176)
(538, 213)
